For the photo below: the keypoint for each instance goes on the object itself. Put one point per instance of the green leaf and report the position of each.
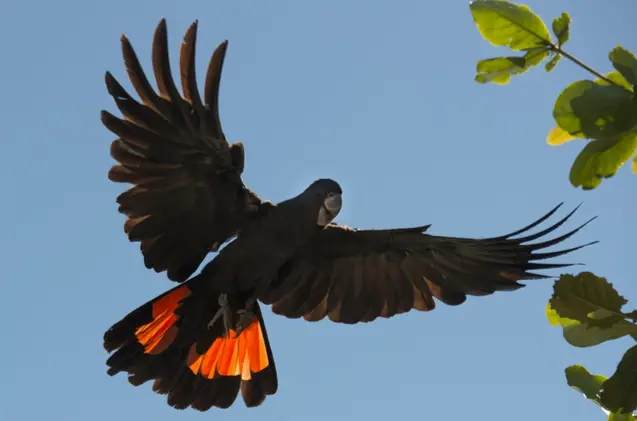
(619, 392)
(535, 56)
(576, 297)
(499, 70)
(561, 28)
(507, 24)
(617, 416)
(601, 159)
(625, 63)
(616, 77)
(581, 380)
(558, 136)
(553, 62)
(595, 110)
(583, 335)
(635, 165)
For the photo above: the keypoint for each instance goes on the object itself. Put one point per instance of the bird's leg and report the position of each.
(224, 312)
(246, 315)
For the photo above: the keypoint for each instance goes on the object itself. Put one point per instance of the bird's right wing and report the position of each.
(356, 276)
(188, 197)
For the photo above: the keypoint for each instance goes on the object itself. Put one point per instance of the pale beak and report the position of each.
(333, 204)
(329, 209)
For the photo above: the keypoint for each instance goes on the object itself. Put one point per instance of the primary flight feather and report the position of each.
(204, 341)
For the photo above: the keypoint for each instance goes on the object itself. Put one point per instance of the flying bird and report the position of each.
(204, 341)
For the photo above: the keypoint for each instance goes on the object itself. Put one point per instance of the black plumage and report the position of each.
(204, 341)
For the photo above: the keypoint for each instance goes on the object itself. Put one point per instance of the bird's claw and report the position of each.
(224, 313)
(245, 320)
(246, 316)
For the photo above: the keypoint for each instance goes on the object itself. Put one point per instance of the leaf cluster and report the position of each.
(603, 110)
(590, 311)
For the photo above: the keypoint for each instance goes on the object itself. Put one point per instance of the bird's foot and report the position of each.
(224, 313)
(246, 316)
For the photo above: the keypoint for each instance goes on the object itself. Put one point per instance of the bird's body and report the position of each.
(254, 258)
(204, 340)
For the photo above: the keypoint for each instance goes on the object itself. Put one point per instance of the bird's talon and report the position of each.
(216, 317)
(245, 320)
(224, 312)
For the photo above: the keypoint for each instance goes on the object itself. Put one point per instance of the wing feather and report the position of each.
(341, 283)
(352, 302)
(375, 276)
(381, 273)
(187, 197)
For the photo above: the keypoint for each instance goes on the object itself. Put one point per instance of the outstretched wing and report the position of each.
(187, 196)
(356, 276)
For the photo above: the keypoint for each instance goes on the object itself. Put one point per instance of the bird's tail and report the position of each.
(168, 340)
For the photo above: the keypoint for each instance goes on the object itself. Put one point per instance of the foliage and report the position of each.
(591, 312)
(603, 110)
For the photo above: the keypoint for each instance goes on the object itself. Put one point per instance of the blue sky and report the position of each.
(377, 95)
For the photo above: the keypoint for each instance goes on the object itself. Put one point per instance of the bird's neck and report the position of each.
(297, 220)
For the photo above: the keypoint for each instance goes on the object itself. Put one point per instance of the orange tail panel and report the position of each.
(157, 335)
(232, 356)
(160, 341)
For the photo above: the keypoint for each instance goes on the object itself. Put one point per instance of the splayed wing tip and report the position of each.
(531, 225)
(552, 254)
(590, 220)
(544, 266)
(533, 275)
(549, 229)
(554, 241)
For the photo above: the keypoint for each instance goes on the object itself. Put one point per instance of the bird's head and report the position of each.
(327, 194)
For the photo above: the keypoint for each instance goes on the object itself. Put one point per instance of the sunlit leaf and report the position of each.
(635, 165)
(576, 297)
(601, 159)
(507, 24)
(553, 62)
(580, 379)
(595, 110)
(625, 63)
(558, 136)
(617, 78)
(583, 335)
(535, 56)
(618, 416)
(619, 393)
(561, 28)
(499, 70)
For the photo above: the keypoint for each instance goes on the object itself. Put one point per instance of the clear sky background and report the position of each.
(377, 95)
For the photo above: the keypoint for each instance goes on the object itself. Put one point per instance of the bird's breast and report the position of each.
(260, 250)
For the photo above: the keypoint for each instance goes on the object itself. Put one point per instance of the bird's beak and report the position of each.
(330, 208)
(333, 204)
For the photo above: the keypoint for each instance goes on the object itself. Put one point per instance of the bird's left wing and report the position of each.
(187, 196)
(356, 276)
